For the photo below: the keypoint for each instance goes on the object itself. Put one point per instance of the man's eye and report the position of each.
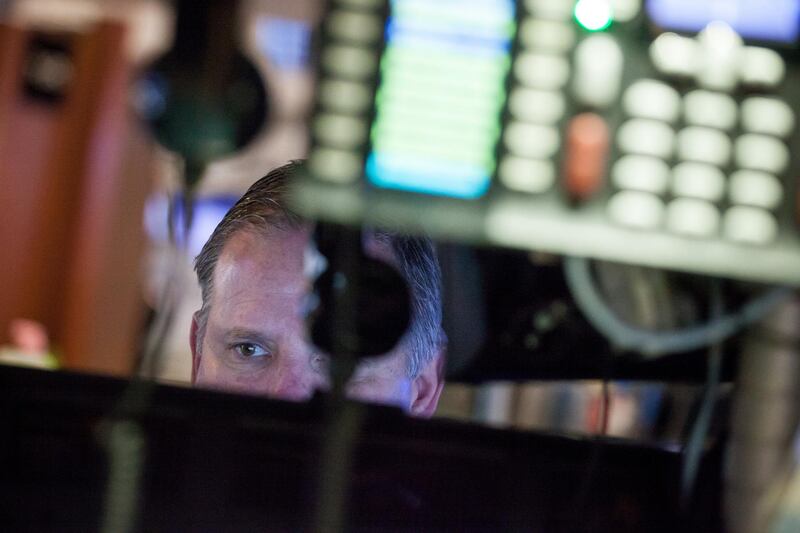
(250, 350)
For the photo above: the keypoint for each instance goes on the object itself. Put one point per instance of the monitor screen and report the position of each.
(760, 20)
(441, 96)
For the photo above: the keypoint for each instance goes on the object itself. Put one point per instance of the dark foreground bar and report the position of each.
(217, 462)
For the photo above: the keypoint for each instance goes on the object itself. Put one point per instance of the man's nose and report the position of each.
(292, 380)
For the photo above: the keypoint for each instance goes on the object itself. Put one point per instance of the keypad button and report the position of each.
(698, 180)
(767, 115)
(762, 67)
(706, 108)
(720, 49)
(642, 173)
(625, 10)
(527, 175)
(674, 55)
(541, 71)
(340, 131)
(704, 144)
(530, 140)
(350, 61)
(646, 137)
(338, 166)
(652, 99)
(636, 209)
(750, 225)
(547, 35)
(551, 9)
(345, 96)
(694, 218)
(759, 189)
(531, 105)
(598, 70)
(355, 26)
(761, 152)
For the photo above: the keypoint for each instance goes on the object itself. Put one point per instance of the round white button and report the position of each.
(598, 64)
(345, 96)
(636, 209)
(691, 217)
(652, 99)
(646, 137)
(340, 131)
(761, 152)
(542, 107)
(698, 180)
(641, 172)
(674, 55)
(750, 225)
(530, 140)
(526, 175)
(704, 144)
(541, 71)
(762, 67)
(706, 108)
(752, 187)
(767, 115)
(546, 35)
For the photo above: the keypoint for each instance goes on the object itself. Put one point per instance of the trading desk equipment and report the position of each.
(656, 133)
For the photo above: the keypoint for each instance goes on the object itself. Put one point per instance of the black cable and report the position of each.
(693, 449)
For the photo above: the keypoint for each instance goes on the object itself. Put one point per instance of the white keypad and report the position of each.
(706, 108)
(547, 35)
(598, 70)
(652, 99)
(761, 152)
(704, 144)
(340, 131)
(767, 115)
(541, 71)
(674, 55)
(752, 187)
(642, 173)
(531, 140)
(694, 218)
(720, 50)
(532, 105)
(762, 67)
(636, 209)
(551, 9)
(527, 175)
(750, 225)
(698, 180)
(646, 137)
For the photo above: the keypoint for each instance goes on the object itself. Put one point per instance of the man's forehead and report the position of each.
(262, 260)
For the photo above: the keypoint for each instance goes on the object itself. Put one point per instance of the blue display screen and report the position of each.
(761, 20)
(442, 90)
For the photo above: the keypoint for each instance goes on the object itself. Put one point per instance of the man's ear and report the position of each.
(427, 387)
(193, 339)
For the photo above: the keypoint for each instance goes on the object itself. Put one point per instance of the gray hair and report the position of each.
(263, 208)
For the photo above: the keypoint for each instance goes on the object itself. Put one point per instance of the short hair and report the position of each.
(263, 208)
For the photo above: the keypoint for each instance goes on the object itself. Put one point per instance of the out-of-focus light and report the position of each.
(593, 15)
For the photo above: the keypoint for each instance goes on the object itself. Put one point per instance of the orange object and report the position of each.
(586, 154)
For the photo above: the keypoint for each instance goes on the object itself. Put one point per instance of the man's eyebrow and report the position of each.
(238, 333)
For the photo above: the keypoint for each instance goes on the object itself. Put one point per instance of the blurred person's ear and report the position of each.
(427, 387)
(196, 355)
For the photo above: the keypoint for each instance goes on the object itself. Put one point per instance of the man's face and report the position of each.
(255, 340)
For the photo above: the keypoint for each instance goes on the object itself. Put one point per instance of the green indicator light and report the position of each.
(593, 15)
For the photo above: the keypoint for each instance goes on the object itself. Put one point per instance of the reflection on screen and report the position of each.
(771, 20)
(442, 91)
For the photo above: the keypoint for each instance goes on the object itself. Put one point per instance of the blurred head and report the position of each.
(249, 334)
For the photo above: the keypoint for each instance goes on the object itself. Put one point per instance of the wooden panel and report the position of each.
(78, 264)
